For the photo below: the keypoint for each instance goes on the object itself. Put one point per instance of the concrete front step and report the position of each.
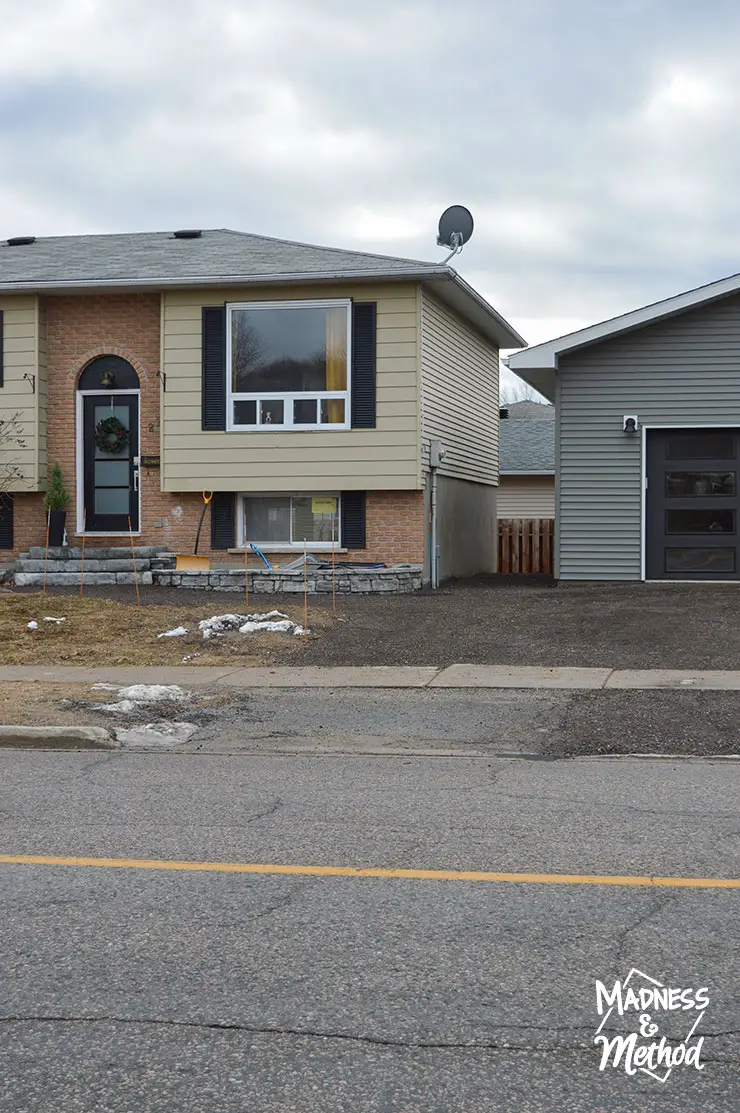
(70, 579)
(25, 565)
(94, 552)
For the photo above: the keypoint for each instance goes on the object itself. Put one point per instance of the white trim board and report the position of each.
(544, 357)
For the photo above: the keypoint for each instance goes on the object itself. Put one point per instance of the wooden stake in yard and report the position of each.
(333, 570)
(305, 584)
(246, 568)
(46, 558)
(82, 567)
(133, 557)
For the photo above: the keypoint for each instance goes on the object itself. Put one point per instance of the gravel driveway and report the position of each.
(593, 625)
(489, 621)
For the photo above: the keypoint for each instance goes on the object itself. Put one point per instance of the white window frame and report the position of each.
(288, 398)
(288, 546)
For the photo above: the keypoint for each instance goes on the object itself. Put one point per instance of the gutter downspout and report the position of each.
(436, 455)
(433, 570)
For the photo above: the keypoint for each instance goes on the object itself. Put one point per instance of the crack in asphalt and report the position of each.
(619, 807)
(376, 1041)
(641, 921)
(274, 806)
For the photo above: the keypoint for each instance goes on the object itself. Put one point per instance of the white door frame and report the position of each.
(79, 461)
(643, 488)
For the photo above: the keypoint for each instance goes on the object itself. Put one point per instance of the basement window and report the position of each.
(286, 521)
(288, 365)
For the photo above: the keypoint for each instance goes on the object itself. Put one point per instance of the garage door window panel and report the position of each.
(699, 484)
(700, 521)
(713, 560)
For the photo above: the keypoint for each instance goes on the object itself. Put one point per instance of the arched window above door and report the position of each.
(108, 373)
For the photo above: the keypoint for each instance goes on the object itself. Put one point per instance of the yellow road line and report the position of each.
(353, 871)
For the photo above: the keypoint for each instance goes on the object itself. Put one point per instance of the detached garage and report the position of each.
(647, 440)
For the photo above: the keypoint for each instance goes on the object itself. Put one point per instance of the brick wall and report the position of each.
(80, 328)
(395, 523)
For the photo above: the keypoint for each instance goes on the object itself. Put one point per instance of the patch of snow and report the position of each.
(50, 618)
(123, 707)
(220, 624)
(132, 697)
(152, 693)
(32, 625)
(106, 687)
(190, 657)
(166, 733)
(284, 627)
(178, 632)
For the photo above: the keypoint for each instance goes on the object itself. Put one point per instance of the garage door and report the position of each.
(692, 504)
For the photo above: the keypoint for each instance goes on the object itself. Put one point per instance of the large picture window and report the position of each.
(288, 365)
(289, 521)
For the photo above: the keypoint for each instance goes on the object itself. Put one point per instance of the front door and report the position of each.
(111, 462)
(693, 504)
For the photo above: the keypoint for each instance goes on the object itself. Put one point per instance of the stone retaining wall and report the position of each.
(405, 578)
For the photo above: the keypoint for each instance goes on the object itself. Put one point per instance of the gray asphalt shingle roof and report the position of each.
(527, 444)
(157, 260)
(219, 253)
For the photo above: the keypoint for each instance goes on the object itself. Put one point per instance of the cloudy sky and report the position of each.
(594, 140)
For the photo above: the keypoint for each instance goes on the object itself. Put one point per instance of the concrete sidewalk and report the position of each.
(455, 676)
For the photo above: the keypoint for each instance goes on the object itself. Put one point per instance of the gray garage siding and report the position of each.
(682, 371)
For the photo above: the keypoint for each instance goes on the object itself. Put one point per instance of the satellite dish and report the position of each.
(455, 229)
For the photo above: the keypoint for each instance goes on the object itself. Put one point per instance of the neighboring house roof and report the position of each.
(527, 445)
(222, 257)
(535, 411)
(537, 365)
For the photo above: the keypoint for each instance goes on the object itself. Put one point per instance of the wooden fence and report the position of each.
(526, 545)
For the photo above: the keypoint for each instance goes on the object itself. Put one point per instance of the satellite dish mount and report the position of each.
(455, 229)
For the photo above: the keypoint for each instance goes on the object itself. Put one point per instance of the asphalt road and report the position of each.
(134, 989)
(487, 722)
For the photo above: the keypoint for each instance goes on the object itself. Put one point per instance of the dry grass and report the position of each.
(104, 632)
(30, 704)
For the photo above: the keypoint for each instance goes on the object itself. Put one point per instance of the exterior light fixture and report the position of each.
(629, 424)
(108, 380)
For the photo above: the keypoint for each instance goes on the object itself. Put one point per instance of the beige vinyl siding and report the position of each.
(384, 458)
(526, 496)
(43, 393)
(21, 357)
(460, 394)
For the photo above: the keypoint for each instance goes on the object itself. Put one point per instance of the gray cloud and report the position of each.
(594, 143)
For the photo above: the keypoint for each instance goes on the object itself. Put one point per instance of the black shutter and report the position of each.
(353, 520)
(222, 520)
(1, 347)
(363, 365)
(214, 368)
(6, 521)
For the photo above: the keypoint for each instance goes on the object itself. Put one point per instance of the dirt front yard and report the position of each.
(484, 621)
(115, 631)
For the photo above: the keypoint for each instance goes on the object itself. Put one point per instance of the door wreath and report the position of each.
(111, 435)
